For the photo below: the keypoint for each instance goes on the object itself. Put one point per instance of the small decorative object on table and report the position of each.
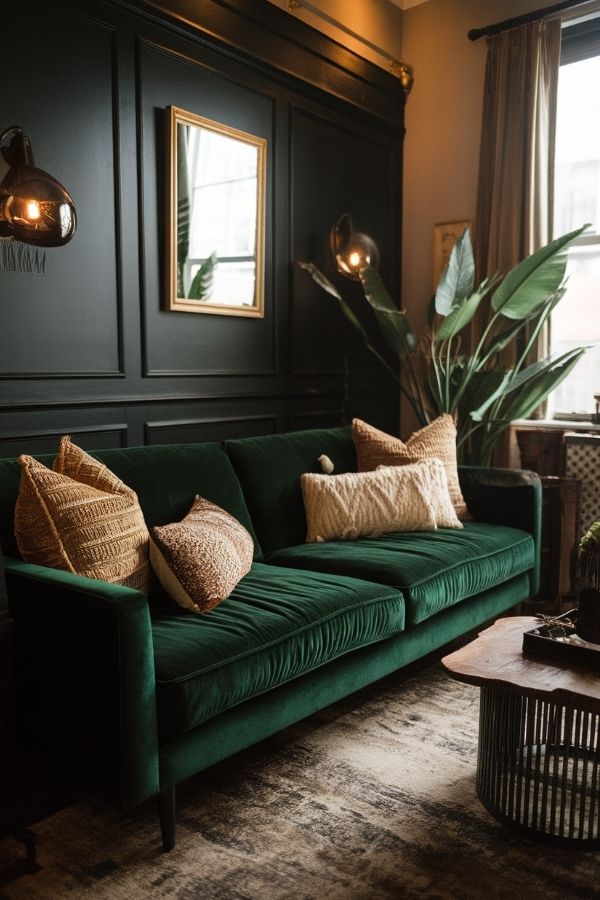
(588, 622)
(574, 637)
(558, 638)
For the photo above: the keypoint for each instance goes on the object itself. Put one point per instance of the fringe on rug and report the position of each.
(16, 257)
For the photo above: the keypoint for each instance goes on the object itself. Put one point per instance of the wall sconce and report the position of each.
(352, 250)
(34, 207)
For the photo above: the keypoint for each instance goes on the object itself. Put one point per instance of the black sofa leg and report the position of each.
(166, 815)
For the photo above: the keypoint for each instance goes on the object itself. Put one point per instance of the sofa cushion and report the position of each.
(434, 441)
(90, 524)
(392, 498)
(200, 559)
(433, 569)
(269, 469)
(277, 624)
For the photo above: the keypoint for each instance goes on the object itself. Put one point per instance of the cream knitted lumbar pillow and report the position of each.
(81, 518)
(392, 498)
(200, 560)
(445, 514)
(435, 441)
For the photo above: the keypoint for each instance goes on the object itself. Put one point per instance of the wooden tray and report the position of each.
(559, 641)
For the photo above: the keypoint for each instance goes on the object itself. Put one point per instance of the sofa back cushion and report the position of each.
(166, 479)
(269, 469)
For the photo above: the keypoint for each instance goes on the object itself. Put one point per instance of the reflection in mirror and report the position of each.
(215, 231)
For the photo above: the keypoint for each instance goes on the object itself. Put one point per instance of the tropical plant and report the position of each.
(440, 375)
(589, 558)
(201, 286)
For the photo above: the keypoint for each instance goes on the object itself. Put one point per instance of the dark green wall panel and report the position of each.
(359, 174)
(60, 89)
(191, 342)
(88, 348)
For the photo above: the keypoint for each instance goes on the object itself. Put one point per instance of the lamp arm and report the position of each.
(19, 151)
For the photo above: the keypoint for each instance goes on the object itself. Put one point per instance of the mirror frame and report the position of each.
(176, 116)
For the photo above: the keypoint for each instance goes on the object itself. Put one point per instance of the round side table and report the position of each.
(538, 761)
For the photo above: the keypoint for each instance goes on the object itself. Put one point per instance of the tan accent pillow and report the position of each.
(90, 524)
(435, 441)
(355, 504)
(200, 560)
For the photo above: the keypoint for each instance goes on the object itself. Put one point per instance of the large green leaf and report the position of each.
(499, 384)
(347, 311)
(526, 388)
(503, 338)
(512, 381)
(457, 279)
(500, 340)
(201, 286)
(530, 284)
(392, 321)
(456, 320)
(320, 279)
(480, 385)
(537, 388)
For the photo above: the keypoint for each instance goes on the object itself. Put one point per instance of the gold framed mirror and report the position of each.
(216, 184)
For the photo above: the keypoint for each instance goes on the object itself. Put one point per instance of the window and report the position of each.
(576, 320)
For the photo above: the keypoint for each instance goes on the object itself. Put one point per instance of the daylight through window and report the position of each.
(576, 320)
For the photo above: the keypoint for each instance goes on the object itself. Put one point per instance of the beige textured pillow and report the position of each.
(91, 526)
(355, 504)
(435, 441)
(443, 508)
(200, 560)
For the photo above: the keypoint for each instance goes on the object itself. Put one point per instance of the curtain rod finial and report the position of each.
(405, 73)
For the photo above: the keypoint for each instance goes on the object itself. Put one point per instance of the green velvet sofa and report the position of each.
(135, 695)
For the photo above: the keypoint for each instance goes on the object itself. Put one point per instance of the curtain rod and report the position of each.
(401, 70)
(489, 30)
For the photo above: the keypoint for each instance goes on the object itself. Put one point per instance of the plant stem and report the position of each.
(416, 386)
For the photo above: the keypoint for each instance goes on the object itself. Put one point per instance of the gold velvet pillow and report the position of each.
(435, 441)
(82, 518)
(355, 504)
(200, 560)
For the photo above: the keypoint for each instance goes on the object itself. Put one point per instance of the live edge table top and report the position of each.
(495, 659)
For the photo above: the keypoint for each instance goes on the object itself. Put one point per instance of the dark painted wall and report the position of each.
(87, 348)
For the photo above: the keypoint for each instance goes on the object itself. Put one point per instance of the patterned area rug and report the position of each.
(371, 798)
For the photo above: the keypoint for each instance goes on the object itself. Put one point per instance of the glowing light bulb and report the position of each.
(32, 210)
(354, 259)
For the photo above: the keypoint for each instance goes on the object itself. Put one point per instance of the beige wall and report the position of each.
(443, 123)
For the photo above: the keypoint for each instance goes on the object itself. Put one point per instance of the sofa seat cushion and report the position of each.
(276, 625)
(433, 569)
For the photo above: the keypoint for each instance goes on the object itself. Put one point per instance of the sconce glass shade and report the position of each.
(34, 207)
(352, 250)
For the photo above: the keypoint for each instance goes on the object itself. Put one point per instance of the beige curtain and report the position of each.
(516, 167)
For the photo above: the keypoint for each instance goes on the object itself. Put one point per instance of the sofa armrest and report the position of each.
(506, 497)
(84, 671)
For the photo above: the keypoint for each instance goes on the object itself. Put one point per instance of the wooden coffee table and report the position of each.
(538, 761)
